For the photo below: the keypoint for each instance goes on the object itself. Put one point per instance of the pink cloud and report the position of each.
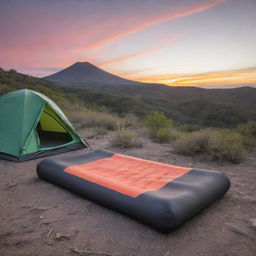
(33, 39)
(154, 21)
(145, 52)
(130, 56)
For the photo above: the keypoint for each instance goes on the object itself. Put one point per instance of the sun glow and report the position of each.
(234, 77)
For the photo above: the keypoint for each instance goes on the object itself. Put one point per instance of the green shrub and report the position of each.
(183, 128)
(159, 126)
(188, 127)
(219, 145)
(226, 145)
(126, 139)
(248, 129)
(165, 135)
(156, 121)
(249, 142)
(249, 133)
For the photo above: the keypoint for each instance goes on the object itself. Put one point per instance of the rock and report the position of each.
(11, 185)
(86, 252)
(252, 224)
(61, 237)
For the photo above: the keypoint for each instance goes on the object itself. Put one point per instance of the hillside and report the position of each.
(195, 106)
(186, 105)
(12, 80)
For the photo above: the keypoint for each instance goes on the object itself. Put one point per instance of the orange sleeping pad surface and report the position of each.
(128, 175)
(160, 195)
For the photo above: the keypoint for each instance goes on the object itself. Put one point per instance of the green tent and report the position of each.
(31, 126)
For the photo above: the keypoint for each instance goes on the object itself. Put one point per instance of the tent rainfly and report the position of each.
(32, 126)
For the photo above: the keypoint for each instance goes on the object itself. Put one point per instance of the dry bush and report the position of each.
(89, 118)
(126, 139)
(193, 143)
(248, 131)
(131, 120)
(101, 131)
(220, 145)
(226, 145)
(84, 118)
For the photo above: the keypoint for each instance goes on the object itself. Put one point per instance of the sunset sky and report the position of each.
(185, 42)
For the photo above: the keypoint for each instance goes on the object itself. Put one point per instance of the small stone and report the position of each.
(20, 244)
(58, 235)
(61, 237)
(11, 185)
(252, 224)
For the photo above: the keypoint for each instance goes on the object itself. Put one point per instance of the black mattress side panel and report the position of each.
(188, 195)
(53, 172)
(164, 209)
(77, 159)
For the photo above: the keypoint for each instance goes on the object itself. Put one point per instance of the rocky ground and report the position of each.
(39, 218)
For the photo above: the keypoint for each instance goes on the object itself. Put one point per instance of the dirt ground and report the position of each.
(39, 218)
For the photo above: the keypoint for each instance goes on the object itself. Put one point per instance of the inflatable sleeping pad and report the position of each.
(160, 195)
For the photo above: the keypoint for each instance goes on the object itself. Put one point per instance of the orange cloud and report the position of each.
(233, 77)
(157, 20)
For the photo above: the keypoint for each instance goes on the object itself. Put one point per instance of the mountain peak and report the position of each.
(79, 63)
(82, 73)
(84, 64)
